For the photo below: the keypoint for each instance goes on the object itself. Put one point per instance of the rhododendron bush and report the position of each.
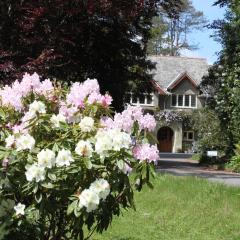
(66, 159)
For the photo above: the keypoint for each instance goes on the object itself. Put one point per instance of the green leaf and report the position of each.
(52, 176)
(35, 189)
(3, 148)
(38, 197)
(151, 138)
(152, 170)
(74, 170)
(55, 147)
(2, 114)
(88, 164)
(71, 207)
(48, 185)
(120, 164)
(77, 212)
(95, 109)
(30, 158)
(2, 155)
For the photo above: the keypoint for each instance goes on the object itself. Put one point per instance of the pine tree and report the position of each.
(170, 33)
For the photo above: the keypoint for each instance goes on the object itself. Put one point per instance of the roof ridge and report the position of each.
(164, 56)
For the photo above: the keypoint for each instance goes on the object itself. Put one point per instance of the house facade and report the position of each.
(176, 83)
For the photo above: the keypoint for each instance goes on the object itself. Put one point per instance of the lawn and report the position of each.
(180, 209)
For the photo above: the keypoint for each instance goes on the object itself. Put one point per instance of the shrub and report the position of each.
(207, 126)
(234, 163)
(65, 162)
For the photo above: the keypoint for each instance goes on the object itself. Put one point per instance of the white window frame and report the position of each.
(145, 100)
(187, 139)
(183, 106)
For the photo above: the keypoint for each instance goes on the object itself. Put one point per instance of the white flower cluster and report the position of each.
(87, 124)
(64, 158)
(90, 198)
(46, 159)
(105, 140)
(34, 108)
(37, 107)
(10, 140)
(20, 209)
(57, 119)
(84, 148)
(111, 139)
(22, 142)
(169, 116)
(36, 172)
(25, 142)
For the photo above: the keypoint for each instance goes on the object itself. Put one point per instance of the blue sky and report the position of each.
(207, 46)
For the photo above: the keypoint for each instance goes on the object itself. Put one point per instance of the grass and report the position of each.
(196, 157)
(180, 209)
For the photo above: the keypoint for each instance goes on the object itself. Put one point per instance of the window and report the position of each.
(184, 135)
(174, 100)
(150, 99)
(185, 101)
(188, 135)
(140, 99)
(180, 100)
(134, 98)
(193, 100)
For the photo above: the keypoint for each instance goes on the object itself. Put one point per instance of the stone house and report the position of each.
(176, 88)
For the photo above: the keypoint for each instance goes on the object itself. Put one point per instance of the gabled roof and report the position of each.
(170, 69)
(158, 88)
(180, 78)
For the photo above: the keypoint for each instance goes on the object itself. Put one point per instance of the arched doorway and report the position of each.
(165, 139)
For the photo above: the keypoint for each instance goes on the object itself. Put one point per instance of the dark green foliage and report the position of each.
(159, 29)
(234, 164)
(207, 126)
(75, 39)
(223, 83)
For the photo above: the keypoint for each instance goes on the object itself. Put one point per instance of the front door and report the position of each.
(165, 139)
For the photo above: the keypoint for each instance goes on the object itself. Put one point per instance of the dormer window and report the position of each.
(144, 99)
(184, 101)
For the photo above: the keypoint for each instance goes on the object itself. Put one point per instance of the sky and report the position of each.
(208, 48)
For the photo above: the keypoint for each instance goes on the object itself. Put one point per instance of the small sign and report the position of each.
(212, 153)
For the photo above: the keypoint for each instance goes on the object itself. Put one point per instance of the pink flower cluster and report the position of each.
(90, 88)
(68, 112)
(147, 122)
(105, 100)
(146, 152)
(126, 119)
(12, 95)
(21, 128)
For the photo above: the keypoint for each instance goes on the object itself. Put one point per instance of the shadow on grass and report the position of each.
(124, 238)
(120, 238)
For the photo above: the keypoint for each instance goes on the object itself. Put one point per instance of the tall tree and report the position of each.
(223, 83)
(75, 39)
(170, 33)
(156, 44)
